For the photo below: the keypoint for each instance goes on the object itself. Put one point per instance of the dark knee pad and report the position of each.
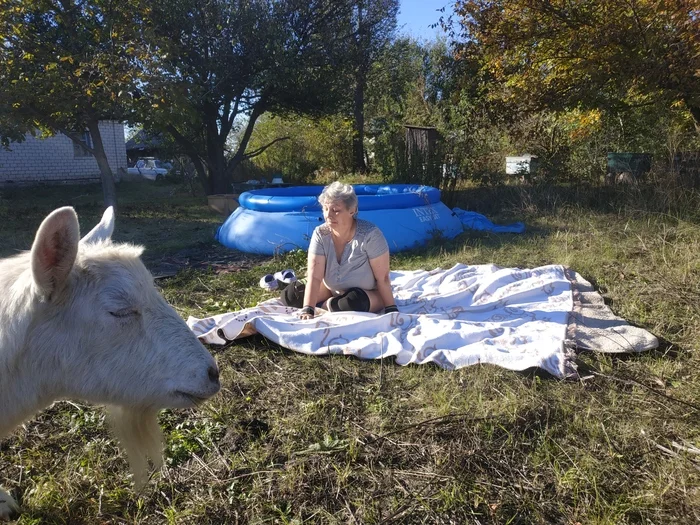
(354, 300)
(293, 295)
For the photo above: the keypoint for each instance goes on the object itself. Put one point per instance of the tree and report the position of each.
(64, 66)
(314, 144)
(373, 25)
(425, 85)
(390, 79)
(213, 68)
(608, 54)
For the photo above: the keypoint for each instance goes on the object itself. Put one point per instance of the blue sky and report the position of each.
(417, 15)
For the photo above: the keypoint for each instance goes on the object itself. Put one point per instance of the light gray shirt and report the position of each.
(353, 270)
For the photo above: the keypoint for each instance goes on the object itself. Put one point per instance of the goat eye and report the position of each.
(124, 312)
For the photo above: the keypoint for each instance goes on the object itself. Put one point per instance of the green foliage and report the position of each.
(373, 24)
(64, 66)
(214, 68)
(593, 54)
(572, 146)
(446, 94)
(434, 85)
(190, 438)
(391, 84)
(312, 144)
(390, 81)
(64, 63)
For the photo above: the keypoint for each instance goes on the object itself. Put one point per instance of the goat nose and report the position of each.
(213, 374)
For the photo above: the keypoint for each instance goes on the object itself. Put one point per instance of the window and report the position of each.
(78, 151)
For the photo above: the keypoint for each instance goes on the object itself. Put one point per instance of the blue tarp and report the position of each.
(476, 221)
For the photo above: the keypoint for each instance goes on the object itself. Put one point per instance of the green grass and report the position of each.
(299, 439)
(163, 218)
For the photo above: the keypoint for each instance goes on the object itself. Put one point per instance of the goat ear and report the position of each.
(103, 231)
(55, 248)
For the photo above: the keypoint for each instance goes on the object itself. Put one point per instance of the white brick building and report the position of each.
(58, 158)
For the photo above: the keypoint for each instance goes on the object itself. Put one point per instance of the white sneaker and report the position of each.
(268, 282)
(286, 276)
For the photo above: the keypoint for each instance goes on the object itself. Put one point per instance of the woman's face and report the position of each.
(337, 215)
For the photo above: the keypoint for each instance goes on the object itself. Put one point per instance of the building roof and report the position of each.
(144, 140)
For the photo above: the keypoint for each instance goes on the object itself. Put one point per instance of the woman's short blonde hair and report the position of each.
(339, 192)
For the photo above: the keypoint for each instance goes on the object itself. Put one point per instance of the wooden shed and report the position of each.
(422, 142)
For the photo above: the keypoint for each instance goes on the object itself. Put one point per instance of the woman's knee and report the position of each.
(293, 295)
(375, 301)
(353, 300)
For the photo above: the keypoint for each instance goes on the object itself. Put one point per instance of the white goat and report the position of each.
(82, 319)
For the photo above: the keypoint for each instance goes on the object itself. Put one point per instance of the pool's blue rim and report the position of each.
(370, 197)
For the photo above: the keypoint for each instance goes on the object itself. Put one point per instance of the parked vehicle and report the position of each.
(150, 168)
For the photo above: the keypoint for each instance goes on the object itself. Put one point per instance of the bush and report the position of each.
(311, 145)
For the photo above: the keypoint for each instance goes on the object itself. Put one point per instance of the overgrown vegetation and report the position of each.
(568, 82)
(298, 439)
(429, 85)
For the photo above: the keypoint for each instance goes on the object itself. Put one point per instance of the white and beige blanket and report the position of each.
(509, 317)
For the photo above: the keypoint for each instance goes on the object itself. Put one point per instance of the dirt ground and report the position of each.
(209, 256)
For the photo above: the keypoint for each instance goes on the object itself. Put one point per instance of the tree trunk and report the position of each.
(240, 154)
(218, 175)
(216, 157)
(202, 175)
(109, 189)
(220, 182)
(358, 135)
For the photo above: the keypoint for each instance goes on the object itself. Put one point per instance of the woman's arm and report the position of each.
(380, 269)
(316, 265)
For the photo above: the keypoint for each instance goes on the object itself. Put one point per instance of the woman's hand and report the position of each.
(307, 313)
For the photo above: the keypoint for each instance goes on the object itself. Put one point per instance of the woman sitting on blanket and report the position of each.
(348, 262)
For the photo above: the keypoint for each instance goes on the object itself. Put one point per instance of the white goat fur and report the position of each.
(84, 320)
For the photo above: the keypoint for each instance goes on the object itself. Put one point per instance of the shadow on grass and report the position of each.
(259, 343)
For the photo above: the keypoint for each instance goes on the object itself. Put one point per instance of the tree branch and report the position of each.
(182, 141)
(77, 139)
(262, 149)
(226, 121)
(232, 115)
(258, 110)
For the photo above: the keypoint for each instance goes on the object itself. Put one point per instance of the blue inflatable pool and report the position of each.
(276, 220)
